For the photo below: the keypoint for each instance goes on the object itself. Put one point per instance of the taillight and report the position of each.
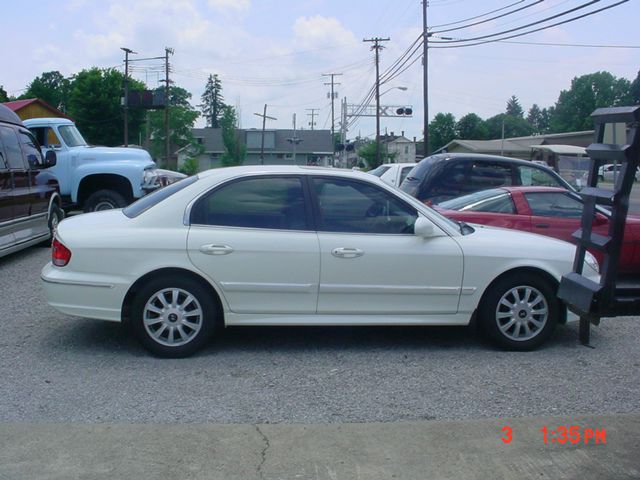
(60, 255)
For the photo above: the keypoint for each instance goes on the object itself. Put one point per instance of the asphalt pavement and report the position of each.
(80, 399)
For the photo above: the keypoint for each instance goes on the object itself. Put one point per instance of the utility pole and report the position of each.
(127, 51)
(377, 47)
(343, 131)
(264, 120)
(167, 51)
(294, 141)
(313, 115)
(333, 97)
(425, 76)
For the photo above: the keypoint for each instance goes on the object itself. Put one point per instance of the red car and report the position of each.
(549, 211)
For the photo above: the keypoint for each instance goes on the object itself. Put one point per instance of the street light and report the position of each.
(378, 120)
(404, 89)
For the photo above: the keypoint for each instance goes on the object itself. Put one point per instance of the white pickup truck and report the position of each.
(393, 173)
(96, 178)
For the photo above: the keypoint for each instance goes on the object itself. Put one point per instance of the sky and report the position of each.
(275, 52)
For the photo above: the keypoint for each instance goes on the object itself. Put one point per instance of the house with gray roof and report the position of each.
(281, 147)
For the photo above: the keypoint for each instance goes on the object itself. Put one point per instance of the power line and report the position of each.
(491, 18)
(478, 16)
(579, 7)
(570, 44)
(531, 31)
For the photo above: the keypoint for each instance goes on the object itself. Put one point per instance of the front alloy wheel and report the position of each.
(520, 311)
(173, 317)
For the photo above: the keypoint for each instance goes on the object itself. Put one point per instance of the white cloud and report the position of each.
(230, 5)
(312, 31)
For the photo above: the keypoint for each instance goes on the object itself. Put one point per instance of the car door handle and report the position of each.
(542, 225)
(344, 252)
(213, 249)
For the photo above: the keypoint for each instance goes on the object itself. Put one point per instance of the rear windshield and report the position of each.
(378, 172)
(148, 201)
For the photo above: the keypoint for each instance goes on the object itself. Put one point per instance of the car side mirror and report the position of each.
(423, 228)
(50, 159)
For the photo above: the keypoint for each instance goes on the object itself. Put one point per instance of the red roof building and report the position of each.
(34, 108)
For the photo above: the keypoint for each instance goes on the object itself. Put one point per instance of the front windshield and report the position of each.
(71, 136)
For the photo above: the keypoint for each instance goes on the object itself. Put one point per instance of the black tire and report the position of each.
(164, 333)
(104, 200)
(56, 215)
(511, 313)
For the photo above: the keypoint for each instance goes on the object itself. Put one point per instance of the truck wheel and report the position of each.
(104, 200)
(55, 217)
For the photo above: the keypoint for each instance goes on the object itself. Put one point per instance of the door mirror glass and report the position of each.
(50, 159)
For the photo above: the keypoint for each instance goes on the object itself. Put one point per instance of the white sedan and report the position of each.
(393, 173)
(300, 246)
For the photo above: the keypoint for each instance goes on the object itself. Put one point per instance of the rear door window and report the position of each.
(275, 203)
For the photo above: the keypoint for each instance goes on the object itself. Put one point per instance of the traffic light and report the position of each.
(408, 111)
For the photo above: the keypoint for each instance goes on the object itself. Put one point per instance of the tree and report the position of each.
(212, 105)
(51, 87)
(514, 108)
(189, 167)
(235, 150)
(471, 127)
(3, 95)
(588, 92)
(442, 129)
(535, 119)
(368, 153)
(634, 91)
(182, 117)
(513, 126)
(95, 104)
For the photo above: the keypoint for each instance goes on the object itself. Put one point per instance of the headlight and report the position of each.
(590, 260)
(150, 178)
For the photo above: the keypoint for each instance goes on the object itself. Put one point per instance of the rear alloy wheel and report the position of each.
(173, 317)
(520, 311)
(104, 200)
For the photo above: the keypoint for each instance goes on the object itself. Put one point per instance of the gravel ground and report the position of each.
(56, 368)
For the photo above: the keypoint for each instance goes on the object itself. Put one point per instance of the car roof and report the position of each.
(48, 121)
(9, 116)
(280, 169)
(479, 157)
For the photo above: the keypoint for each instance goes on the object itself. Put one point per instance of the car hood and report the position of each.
(503, 242)
(116, 153)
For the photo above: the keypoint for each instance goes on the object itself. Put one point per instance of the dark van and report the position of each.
(448, 175)
(29, 194)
